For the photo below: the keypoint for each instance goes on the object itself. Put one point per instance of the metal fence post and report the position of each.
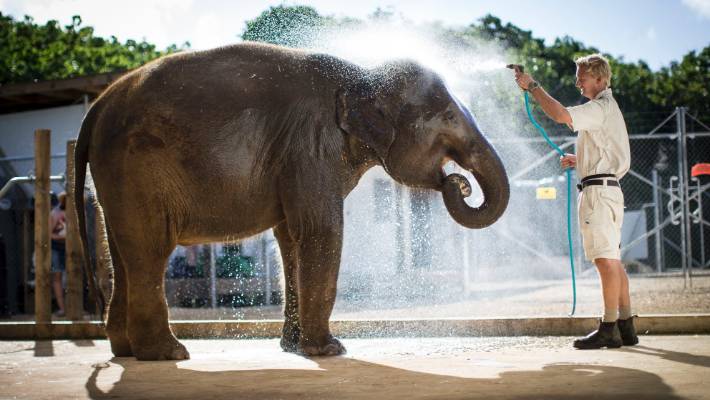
(213, 275)
(267, 268)
(657, 219)
(685, 247)
(466, 261)
(686, 200)
(26, 258)
(399, 229)
(698, 220)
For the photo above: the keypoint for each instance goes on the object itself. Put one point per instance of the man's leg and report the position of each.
(626, 321)
(607, 335)
(610, 275)
(624, 297)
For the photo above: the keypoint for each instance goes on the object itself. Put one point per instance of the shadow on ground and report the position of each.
(45, 348)
(676, 356)
(347, 378)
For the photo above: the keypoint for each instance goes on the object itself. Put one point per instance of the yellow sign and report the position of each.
(546, 193)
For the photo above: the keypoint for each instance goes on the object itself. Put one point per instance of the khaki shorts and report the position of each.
(601, 213)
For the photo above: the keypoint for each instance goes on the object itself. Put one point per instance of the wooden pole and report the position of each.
(75, 277)
(43, 294)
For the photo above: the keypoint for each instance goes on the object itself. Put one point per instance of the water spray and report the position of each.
(568, 172)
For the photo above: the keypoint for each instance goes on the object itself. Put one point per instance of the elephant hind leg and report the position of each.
(143, 250)
(291, 329)
(116, 321)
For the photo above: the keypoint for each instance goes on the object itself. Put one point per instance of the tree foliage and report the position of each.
(646, 96)
(286, 25)
(31, 52)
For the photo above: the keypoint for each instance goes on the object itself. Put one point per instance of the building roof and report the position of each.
(17, 97)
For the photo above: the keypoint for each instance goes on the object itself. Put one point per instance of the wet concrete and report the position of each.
(661, 367)
(358, 328)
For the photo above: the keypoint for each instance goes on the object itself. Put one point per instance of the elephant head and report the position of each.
(414, 125)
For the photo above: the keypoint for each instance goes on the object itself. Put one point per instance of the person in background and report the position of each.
(58, 234)
(603, 157)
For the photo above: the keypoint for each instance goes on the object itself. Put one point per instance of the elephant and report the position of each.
(221, 144)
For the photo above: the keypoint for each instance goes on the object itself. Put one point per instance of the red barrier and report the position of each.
(700, 169)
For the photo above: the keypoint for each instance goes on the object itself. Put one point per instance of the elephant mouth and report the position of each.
(461, 182)
(493, 183)
(445, 178)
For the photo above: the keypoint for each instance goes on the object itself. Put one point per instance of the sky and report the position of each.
(656, 31)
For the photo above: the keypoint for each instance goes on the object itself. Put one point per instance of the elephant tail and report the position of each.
(81, 159)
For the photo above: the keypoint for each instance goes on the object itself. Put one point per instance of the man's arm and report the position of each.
(552, 108)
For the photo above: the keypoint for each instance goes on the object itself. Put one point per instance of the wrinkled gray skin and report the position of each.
(222, 144)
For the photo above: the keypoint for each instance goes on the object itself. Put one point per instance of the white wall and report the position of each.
(17, 137)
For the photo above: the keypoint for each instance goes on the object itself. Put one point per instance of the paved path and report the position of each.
(662, 367)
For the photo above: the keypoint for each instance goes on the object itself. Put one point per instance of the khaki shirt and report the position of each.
(602, 140)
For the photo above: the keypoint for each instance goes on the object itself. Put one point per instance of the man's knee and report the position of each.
(605, 263)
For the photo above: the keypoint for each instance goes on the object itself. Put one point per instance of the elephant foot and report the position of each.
(330, 347)
(121, 347)
(169, 349)
(290, 338)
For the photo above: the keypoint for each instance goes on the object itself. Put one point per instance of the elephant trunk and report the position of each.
(490, 174)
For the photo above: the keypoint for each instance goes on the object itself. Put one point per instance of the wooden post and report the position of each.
(43, 259)
(75, 277)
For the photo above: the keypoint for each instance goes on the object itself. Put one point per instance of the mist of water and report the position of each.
(402, 251)
(403, 255)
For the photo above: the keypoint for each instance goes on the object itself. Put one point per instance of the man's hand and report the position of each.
(568, 161)
(550, 106)
(522, 79)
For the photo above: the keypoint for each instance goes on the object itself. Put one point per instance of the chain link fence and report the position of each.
(667, 210)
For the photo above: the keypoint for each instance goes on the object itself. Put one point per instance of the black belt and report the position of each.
(596, 180)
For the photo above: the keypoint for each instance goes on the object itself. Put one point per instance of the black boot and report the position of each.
(606, 336)
(628, 332)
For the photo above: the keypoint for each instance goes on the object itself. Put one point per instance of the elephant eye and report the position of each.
(449, 116)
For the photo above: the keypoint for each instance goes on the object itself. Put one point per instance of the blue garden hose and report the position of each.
(568, 171)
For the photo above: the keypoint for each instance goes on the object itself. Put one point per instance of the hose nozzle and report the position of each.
(516, 67)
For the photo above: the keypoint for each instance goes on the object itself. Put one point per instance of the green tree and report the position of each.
(645, 96)
(32, 52)
(286, 25)
(686, 83)
(491, 28)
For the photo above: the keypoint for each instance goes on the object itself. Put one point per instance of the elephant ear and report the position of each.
(361, 114)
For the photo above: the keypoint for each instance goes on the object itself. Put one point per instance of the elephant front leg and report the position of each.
(289, 254)
(319, 262)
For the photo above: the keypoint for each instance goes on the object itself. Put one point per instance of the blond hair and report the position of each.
(597, 65)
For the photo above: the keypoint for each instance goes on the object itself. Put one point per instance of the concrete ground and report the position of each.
(536, 298)
(512, 298)
(661, 367)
